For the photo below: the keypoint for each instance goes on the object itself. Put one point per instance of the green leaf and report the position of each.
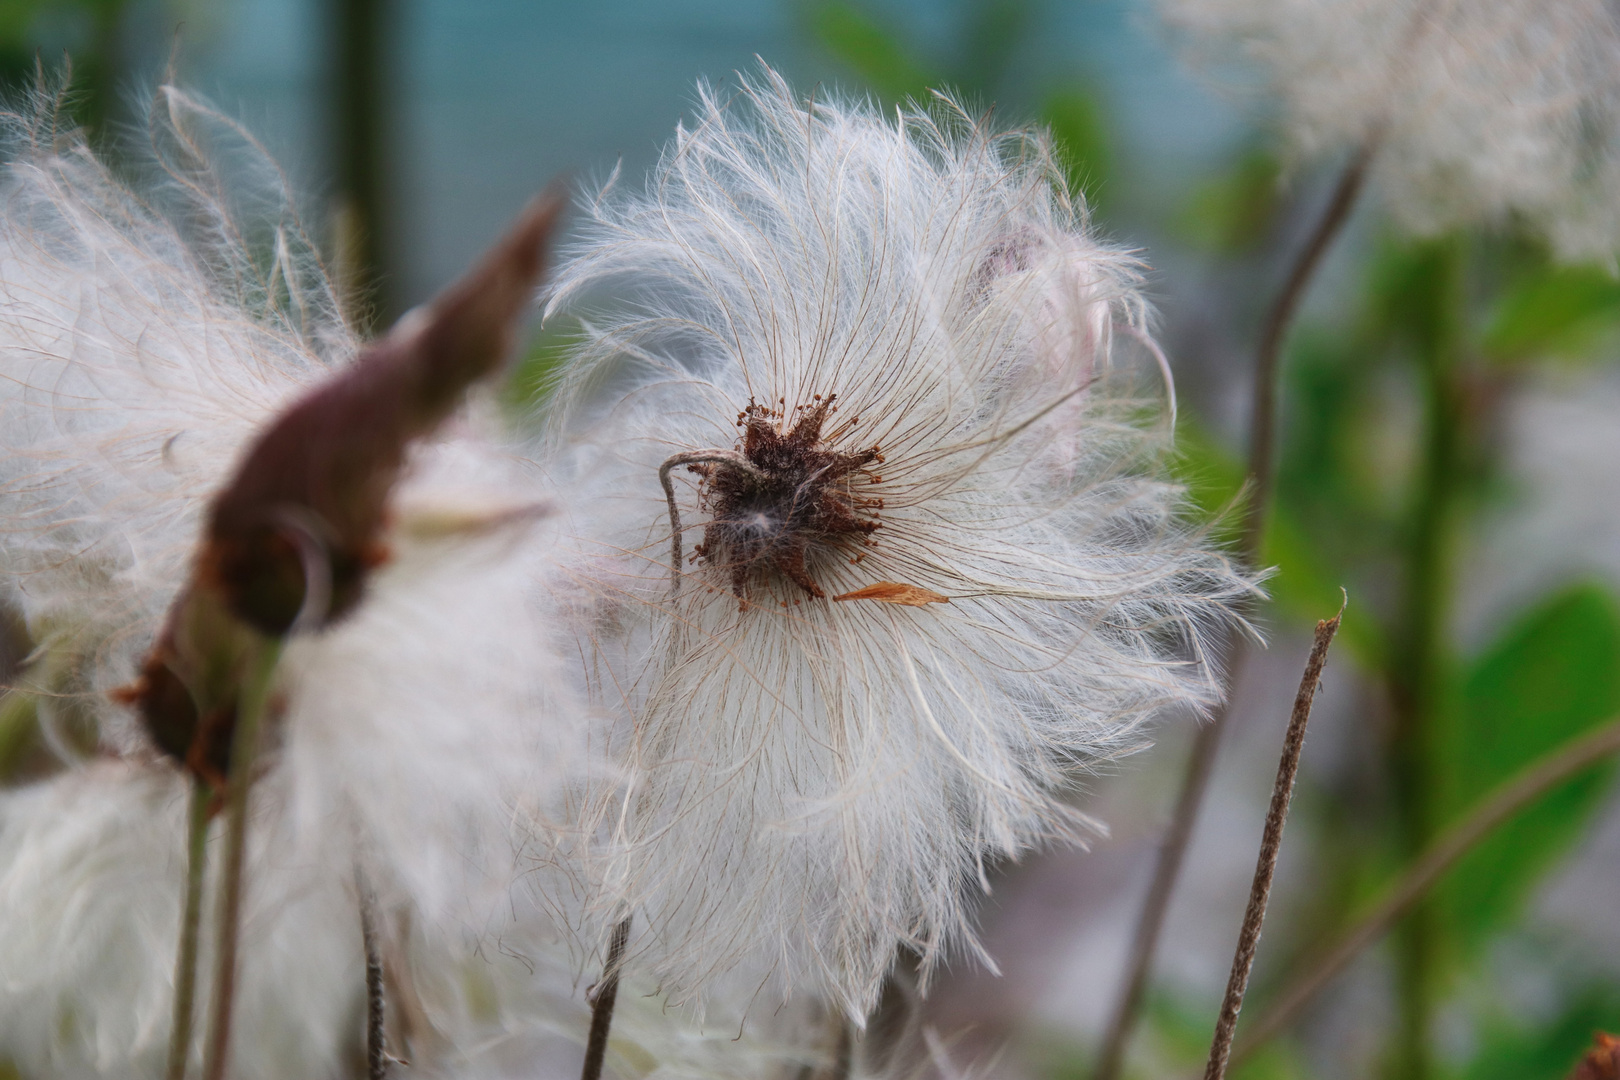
(531, 377)
(1513, 1051)
(1559, 311)
(19, 735)
(1079, 128)
(871, 51)
(1551, 676)
(1232, 213)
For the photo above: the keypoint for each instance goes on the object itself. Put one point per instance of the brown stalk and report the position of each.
(691, 457)
(1265, 869)
(1490, 812)
(376, 998)
(607, 993)
(1201, 760)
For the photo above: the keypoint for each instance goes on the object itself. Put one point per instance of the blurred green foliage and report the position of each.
(986, 45)
(1553, 312)
(36, 34)
(1514, 1049)
(1552, 675)
(869, 49)
(1233, 212)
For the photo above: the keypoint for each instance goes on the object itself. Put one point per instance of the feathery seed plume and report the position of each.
(148, 339)
(927, 567)
(90, 877)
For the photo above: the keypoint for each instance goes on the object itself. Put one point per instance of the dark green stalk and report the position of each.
(244, 752)
(607, 993)
(99, 70)
(1418, 663)
(359, 144)
(185, 967)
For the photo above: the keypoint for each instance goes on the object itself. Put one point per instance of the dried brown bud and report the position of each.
(321, 474)
(306, 509)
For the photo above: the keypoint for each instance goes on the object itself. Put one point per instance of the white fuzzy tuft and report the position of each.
(144, 339)
(91, 871)
(1483, 109)
(815, 784)
(92, 865)
(139, 350)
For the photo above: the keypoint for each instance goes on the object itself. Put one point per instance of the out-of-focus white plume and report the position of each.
(91, 869)
(92, 865)
(913, 312)
(145, 337)
(1481, 109)
(139, 350)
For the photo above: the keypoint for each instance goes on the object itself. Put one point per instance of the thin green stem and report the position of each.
(360, 78)
(1418, 666)
(244, 752)
(185, 965)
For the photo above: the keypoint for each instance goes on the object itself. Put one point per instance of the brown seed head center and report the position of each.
(802, 501)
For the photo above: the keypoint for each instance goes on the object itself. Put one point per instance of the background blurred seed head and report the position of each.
(1483, 111)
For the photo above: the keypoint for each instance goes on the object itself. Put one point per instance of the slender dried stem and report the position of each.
(376, 999)
(1500, 806)
(692, 457)
(185, 964)
(244, 751)
(607, 992)
(1274, 334)
(1265, 868)
(1201, 761)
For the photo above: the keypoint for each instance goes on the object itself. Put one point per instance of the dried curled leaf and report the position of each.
(893, 592)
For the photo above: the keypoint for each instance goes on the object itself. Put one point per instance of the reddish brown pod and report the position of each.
(320, 476)
(298, 528)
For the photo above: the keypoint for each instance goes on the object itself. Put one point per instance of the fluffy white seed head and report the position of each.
(1482, 109)
(138, 351)
(905, 366)
(92, 865)
(145, 337)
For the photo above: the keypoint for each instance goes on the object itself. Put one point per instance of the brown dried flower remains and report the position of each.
(1602, 1061)
(799, 504)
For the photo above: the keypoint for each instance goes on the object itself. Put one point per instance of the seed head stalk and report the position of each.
(185, 965)
(1259, 477)
(244, 751)
(607, 994)
(1417, 670)
(1270, 847)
